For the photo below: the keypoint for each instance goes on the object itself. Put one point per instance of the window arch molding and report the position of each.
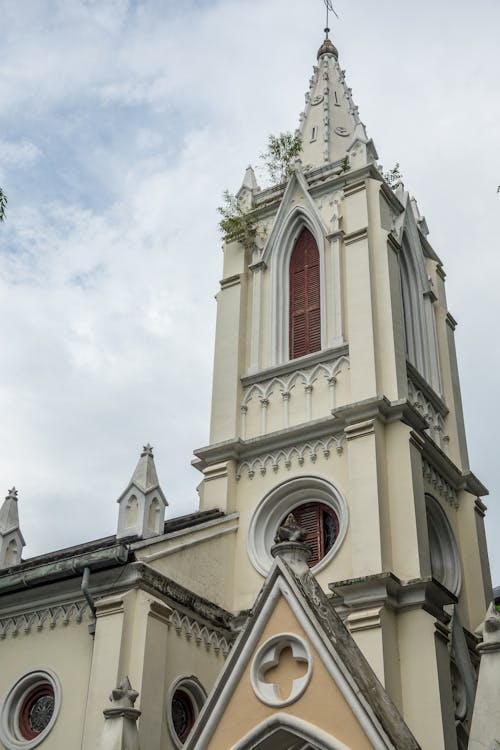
(443, 549)
(282, 500)
(418, 313)
(278, 259)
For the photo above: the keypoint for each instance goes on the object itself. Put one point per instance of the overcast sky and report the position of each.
(121, 123)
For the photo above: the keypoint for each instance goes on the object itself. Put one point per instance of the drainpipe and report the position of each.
(88, 597)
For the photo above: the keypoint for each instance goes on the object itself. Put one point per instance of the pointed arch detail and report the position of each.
(284, 728)
(280, 253)
(418, 312)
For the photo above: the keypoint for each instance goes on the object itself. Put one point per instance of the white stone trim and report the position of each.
(193, 687)
(268, 656)
(439, 484)
(193, 630)
(284, 457)
(451, 577)
(280, 501)
(43, 617)
(9, 732)
(300, 729)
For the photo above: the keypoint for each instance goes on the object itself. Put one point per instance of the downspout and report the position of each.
(88, 597)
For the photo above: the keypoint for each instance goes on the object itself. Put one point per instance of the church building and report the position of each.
(333, 590)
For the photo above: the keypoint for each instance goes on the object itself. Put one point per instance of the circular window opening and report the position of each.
(445, 558)
(316, 505)
(36, 711)
(187, 697)
(183, 714)
(322, 526)
(30, 710)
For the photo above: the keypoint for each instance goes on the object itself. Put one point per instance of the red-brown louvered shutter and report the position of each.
(308, 517)
(305, 318)
(322, 527)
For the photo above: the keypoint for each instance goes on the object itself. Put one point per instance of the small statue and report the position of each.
(290, 531)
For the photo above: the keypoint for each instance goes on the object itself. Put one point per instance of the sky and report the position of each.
(121, 124)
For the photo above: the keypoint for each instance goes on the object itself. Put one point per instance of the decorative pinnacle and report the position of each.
(124, 694)
(147, 450)
(12, 494)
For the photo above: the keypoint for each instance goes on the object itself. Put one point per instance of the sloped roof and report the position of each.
(367, 698)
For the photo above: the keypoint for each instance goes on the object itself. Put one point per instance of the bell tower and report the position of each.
(336, 398)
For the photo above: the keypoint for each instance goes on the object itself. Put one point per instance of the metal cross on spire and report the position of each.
(329, 9)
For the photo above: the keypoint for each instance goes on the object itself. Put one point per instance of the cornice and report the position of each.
(230, 281)
(357, 236)
(450, 320)
(386, 589)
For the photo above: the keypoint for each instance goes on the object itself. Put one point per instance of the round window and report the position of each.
(30, 710)
(316, 505)
(322, 526)
(36, 710)
(183, 713)
(187, 697)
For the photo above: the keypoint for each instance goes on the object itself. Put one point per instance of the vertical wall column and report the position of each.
(428, 706)
(107, 662)
(364, 503)
(360, 332)
(335, 332)
(256, 334)
(229, 348)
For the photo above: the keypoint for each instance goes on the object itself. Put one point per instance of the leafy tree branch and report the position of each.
(237, 224)
(280, 154)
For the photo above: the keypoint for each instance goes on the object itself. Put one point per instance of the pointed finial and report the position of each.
(12, 494)
(147, 450)
(329, 9)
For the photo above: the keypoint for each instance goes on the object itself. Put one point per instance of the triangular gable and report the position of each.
(308, 212)
(295, 673)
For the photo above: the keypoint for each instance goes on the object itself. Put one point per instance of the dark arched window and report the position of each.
(305, 316)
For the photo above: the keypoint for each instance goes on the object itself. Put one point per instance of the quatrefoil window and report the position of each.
(281, 670)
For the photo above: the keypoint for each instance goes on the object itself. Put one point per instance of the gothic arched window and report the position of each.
(304, 314)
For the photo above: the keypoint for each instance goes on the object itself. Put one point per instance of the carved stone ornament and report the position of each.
(342, 131)
(317, 100)
(290, 531)
(281, 670)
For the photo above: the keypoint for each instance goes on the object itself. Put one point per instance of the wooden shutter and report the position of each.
(305, 317)
(312, 517)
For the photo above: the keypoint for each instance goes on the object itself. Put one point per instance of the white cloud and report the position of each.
(18, 153)
(139, 115)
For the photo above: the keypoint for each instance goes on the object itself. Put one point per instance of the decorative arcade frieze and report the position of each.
(291, 398)
(284, 458)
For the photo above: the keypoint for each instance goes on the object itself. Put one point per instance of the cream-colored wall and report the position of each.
(201, 560)
(247, 581)
(134, 638)
(66, 650)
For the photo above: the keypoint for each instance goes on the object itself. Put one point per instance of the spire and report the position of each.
(330, 125)
(145, 476)
(248, 189)
(142, 504)
(11, 539)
